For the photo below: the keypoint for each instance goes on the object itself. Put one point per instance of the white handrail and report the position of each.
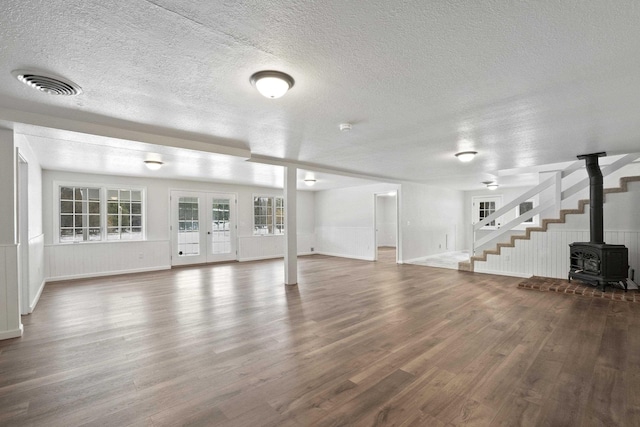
(560, 195)
(606, 170)
(512, 204)
(514, 222)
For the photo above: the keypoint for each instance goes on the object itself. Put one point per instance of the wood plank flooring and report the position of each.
(354, 344)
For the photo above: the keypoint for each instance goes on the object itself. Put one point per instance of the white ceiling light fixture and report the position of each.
(491, 185)
(466, 156)
(272, 84)
(153, 165)
(47, 83)
(309, 181)
(345, 127)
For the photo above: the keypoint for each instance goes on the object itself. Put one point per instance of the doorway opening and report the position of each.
(386, 227)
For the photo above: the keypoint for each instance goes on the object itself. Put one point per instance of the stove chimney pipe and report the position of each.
(596, 196)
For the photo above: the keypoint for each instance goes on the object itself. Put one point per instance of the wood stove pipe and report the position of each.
(596, 196)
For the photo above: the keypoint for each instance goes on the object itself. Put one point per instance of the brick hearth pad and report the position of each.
(563, 286)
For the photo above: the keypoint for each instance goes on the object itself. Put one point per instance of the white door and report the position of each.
(483, 206)
(203, 227)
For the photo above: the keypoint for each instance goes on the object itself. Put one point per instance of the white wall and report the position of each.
(431, 220)
(386, 220)
(10, 324)
(345, 224)
(158, 217)
(36, 278)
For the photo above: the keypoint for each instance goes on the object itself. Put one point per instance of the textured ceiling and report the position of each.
(523, 83)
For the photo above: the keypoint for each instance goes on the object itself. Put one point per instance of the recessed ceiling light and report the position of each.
(466, 156)
(47, 83)
(272, 84)
(154, 165)
(309, 181)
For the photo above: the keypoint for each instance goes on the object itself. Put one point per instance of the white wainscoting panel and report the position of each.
(348, 242)
(251, 248)
(547, 254)
(78, 260)
(10, 324)
(36, 270)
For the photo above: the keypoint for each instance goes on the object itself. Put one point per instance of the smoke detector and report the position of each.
(47, 83)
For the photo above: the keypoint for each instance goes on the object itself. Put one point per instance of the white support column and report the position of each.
(290, 227)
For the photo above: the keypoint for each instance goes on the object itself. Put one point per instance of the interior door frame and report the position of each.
(23, 234)
(375, 223)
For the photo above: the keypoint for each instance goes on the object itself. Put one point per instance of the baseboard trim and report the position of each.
(33, 304)
(362, 258)
(107, 273)
(15, 333)
(262, 258)
(504, 273)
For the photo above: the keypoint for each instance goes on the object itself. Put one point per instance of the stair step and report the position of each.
(464, 266)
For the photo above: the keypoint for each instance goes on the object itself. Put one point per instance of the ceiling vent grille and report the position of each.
(53, 85)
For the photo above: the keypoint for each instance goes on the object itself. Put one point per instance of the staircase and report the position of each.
(469, 265)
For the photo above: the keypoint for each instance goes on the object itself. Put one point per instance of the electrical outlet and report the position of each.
(311, 249)
(140, 255)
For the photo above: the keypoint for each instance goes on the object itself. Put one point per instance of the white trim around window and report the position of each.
(270, 220)
(86, 220)
(532, 203)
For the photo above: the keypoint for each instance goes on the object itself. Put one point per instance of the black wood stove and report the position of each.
(596, 262)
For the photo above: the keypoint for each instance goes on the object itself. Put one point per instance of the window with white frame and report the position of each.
(279, 215)
(268, 215)
(99, 213)
(124, 214)
(523, 208)
(79, 214)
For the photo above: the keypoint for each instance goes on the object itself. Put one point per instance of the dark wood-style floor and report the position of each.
(356, 343)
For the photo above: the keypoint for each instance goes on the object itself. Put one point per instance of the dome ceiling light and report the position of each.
(466, 156)
(153, 165)
(491, 185)
(272, 84)
(47, 83)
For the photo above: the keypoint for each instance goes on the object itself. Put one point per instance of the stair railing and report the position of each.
(559, 195)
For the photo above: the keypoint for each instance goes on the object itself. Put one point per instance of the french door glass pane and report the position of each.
(188, 226)
(220, 233)
(486, 209)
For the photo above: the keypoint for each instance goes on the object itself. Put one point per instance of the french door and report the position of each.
(483, 206)
(203, 227)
